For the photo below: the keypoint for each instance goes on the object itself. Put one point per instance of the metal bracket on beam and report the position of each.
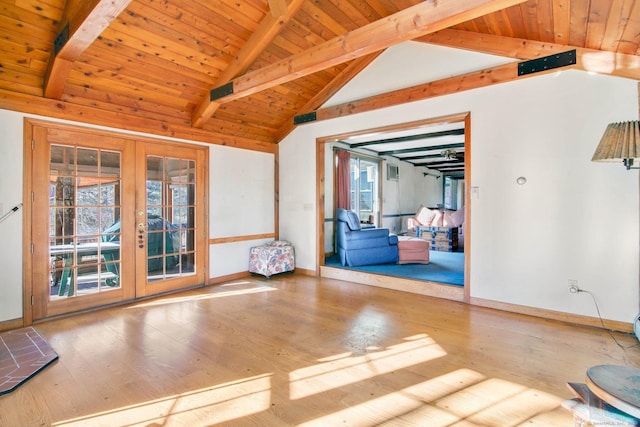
(61, 40)
(547, 63)
(304, 118)
(221, 91)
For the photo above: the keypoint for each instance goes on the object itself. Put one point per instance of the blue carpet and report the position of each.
(443, 267)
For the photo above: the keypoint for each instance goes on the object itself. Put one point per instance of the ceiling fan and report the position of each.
(431, 174)
(449, 154)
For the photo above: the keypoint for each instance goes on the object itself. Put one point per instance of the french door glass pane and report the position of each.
(84, 217)
(170, 190)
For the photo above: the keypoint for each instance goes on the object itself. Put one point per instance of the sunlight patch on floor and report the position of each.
(410, 400)
(460, 398)
(227, 293)
(349, 370)
(494, 401)
(216, 404)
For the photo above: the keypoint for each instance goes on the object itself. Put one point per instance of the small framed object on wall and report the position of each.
(393, 172)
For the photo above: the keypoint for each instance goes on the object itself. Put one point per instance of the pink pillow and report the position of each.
(447, 219)
(425, 215)
(437, 220)
(457, 217)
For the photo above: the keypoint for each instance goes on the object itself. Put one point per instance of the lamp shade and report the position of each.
(620, 143)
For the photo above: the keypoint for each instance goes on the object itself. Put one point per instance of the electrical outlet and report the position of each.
(573, 286)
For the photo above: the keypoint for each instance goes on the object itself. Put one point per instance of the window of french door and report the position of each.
(85, 226)
(170, 190)
(365, 189)
(84, 203)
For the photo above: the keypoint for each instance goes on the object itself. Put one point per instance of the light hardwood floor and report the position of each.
(297, 350)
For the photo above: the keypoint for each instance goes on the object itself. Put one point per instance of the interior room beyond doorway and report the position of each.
(415, 160)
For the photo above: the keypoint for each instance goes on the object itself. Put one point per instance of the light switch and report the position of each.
(475, 192)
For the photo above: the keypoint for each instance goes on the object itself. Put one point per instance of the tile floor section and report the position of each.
(23, 353)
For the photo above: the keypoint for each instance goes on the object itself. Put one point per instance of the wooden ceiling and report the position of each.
(238, 72)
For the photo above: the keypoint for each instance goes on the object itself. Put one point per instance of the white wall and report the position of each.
(11, 148)
(241, 203)
(403, 197)
(298, 202)
(412, 63)
(574, 219)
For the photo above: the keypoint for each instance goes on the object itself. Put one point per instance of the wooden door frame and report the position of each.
(172, 150)
(321, 196)
(29, 124)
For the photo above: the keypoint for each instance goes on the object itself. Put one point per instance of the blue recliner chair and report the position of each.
(357, 246)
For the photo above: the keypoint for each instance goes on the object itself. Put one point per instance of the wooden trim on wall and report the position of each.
(276, 193)
(221, 240)
(554, 315)
(228, 277)
(320, 198)
(467, 207)
(245, 274)
(420, 287)
(27, 261)
(306, 272)
(9, 325)
(62, 110)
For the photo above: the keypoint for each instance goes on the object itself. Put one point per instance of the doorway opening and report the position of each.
(427, 164)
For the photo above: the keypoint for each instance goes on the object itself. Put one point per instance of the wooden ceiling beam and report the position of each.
(477, 79)
(415, 21)
(81, 25)
(611, 63)
(278, 8)
(510, 47)
(352, 70)
(592, 60)
(267, 30)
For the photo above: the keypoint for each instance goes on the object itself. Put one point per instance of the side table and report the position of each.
(617, 385)
(611, 396)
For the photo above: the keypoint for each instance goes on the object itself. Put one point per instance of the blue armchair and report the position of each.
(357, 246)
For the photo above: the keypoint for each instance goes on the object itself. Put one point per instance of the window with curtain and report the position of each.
(358, 185)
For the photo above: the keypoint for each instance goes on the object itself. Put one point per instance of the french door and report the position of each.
(113, 218)
(170, 237)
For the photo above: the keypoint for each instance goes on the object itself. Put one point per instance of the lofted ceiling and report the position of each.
(247, 72)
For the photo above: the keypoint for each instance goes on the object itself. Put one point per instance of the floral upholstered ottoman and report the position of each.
(273, 258)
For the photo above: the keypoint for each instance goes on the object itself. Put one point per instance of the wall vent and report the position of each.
(393, 172)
